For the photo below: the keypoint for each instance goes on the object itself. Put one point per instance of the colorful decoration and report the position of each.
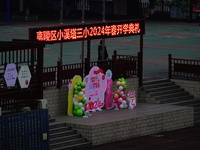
(132, 99)
(108, 89)
(79, 100)
(121, 85)
(96, 84)
(76, 78)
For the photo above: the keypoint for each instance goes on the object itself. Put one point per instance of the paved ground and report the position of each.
(181, 39)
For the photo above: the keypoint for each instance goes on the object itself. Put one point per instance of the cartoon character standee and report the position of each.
(132, 99)
(116, 103)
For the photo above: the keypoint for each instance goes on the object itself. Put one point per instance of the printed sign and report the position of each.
(10, 75)
(24, 76)
(96, 84)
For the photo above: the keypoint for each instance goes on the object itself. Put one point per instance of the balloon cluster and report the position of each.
(121, 85)
(79, 99)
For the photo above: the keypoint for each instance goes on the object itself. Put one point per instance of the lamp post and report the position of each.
(61, 22)
(8, 11)
(103, 19)
(83, 5)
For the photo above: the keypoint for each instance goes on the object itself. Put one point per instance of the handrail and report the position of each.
(62, 74)
(184, 68)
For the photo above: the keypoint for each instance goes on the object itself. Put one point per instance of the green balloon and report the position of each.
(78, 83)
(83, 85)
(83, 101)
(74, 112)
(124, 86)
(79, 88)
(76, 108)
(79, 112)
(76, 92)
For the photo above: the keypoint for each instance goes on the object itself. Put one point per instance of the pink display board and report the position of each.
(108, 88)
(96, 84)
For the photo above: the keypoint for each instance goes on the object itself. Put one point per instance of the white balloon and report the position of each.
(121, 106)
(75, 86)
(80, 104)
(74, 100)
(82, 108)
(75, 96)
(120, 88)
(80, 94)
(123, 102)
(76, 103)
(120, 99)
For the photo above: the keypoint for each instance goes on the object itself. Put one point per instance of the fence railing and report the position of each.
(12, 103)
(184, 68)
(121, 65)
(158, 8)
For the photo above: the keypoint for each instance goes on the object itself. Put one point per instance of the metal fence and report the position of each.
(184, 68)
(25, 131)
(158, 8)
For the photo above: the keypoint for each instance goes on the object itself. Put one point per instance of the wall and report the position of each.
(143, 124)
(57, 98)
(193, 87)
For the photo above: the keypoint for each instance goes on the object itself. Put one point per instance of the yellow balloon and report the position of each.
(80, 98)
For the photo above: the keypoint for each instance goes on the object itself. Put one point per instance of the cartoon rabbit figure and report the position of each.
(132, 99)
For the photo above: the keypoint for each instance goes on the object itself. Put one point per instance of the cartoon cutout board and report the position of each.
(96, 84)
(76, 78)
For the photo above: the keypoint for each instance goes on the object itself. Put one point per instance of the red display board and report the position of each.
(68, 33)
